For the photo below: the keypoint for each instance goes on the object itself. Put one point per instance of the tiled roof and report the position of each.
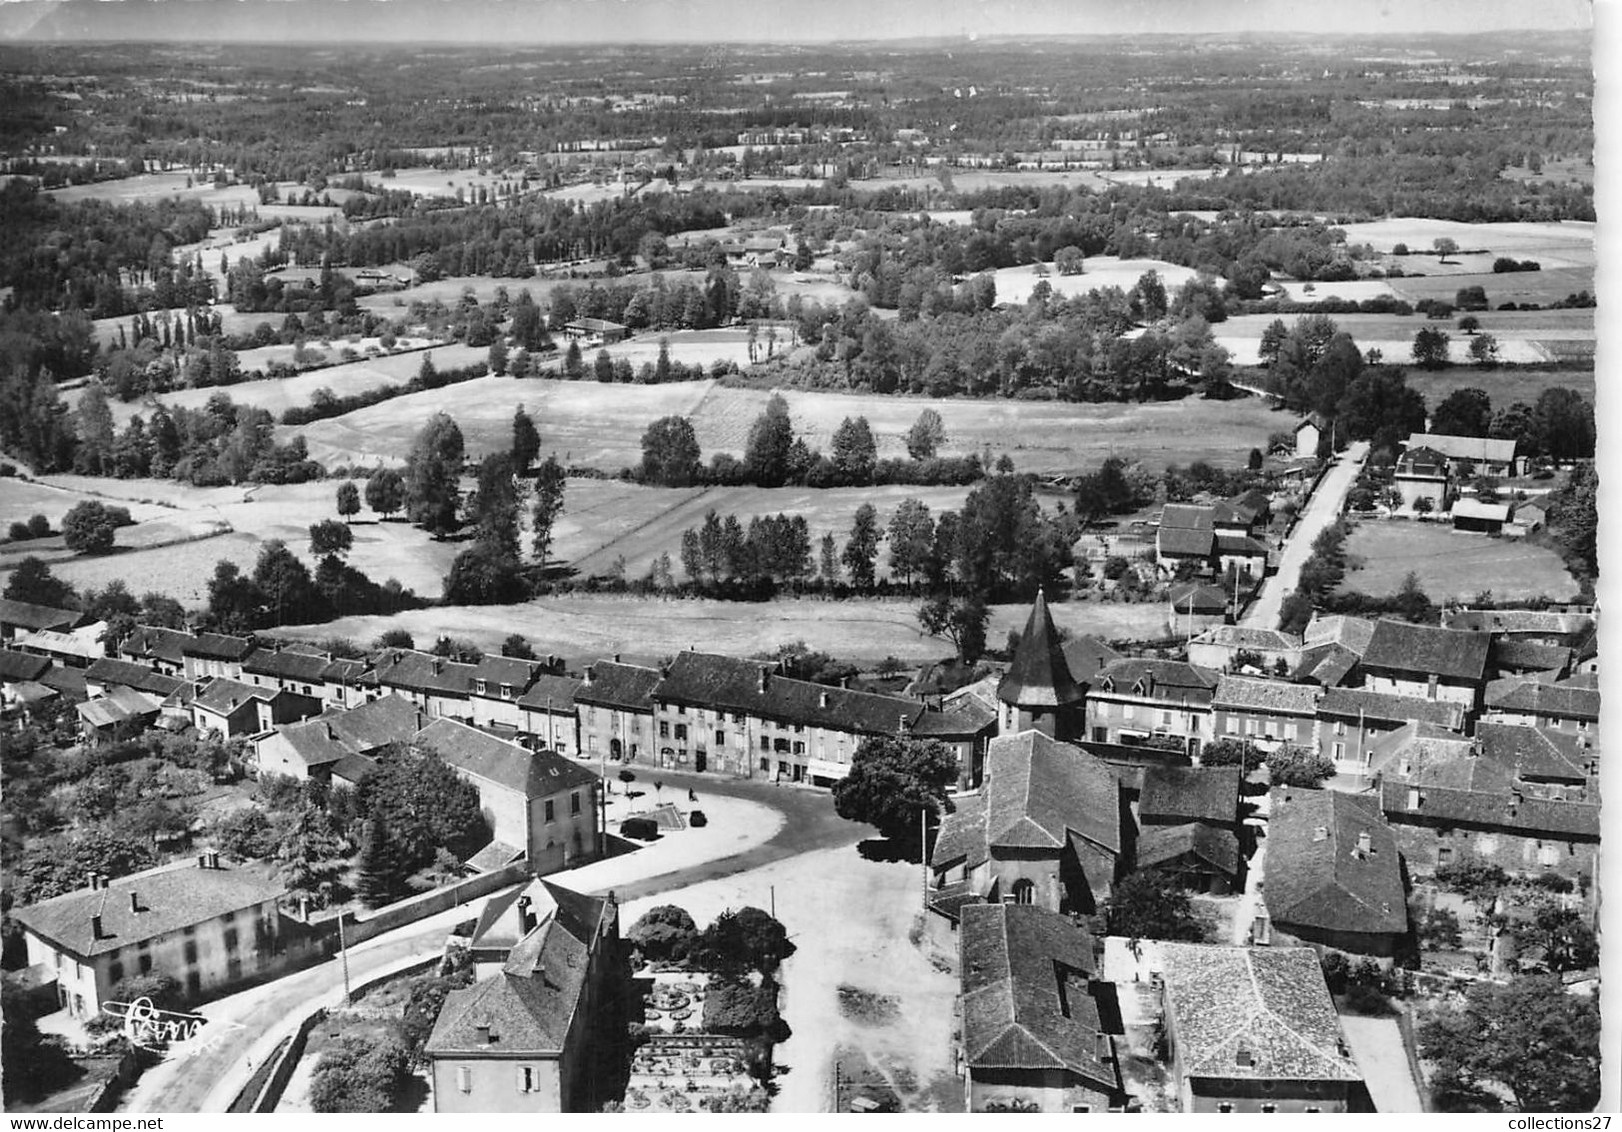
(1479, 449)
(156, 643)
(1420, 746)
(499, 924)
(1531, 752)
(1190, 793)
(958, 723)
(509, 670)
(1529, 655)
(1253, 1013)
(223, 695)
(128, 674)
(344, 670)
(1562, 700)
(65, 679)
(551, 693)
(117, 706)
(1239, 546)
(529, 1007)
(1350, 703)
(1041, 792)
(421, 672)
(17, 666)
(1451, 653)
(1493, 809)
(1168, 681)
(1246, 637)
(1185, 541)
(32, 692)
(27, 615)
(980, 696)
(1252, 693)
(1316, 875)
(1163, 844)
(962, 835)
(730, 684)
(1326, 665)
(1085, 654)
(1039, 675)
(1340, 629)
(218, 646)
(289, 663)
(1186, 516)
(83, 642)
(171, 897)
(354, 769)
(628, 687)
(1528, 622)
(534, 774)
(1197, 597)
(1475, 509)
(1026, 1006)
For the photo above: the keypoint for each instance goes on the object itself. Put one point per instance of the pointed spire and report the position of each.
(1039, 676)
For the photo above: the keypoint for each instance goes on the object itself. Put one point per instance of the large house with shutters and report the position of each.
(1426, 662)
(1139, 700)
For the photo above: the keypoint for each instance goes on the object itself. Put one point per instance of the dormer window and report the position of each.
(506, 691)
(1242, 1057)
(478, 686)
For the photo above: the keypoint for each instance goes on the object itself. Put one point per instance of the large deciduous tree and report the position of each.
(348, 500)
(892, 780)
(550, 482)
(862, 548)
(670, 453)
(433, 476)
(926, 435)
(385, 491)
(423, 805)
(912, 534)
(526, 442)
(88, 528)
(1150, 905)
(766, 456)
(855, 452)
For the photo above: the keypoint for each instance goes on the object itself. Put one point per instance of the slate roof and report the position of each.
(979, 697)
(1349, 703)
(1246, 637)
(1186, 516)
(32, 692)
(1239, 546)
(1450, 653)
(1326, 665)
(1255, 694)
(82, 643)
(1085, 654)
(498, 925)
(171, 897)
(156, 643)
(344, 670)
(19, 666)
(1528, 817)
(1218, 848)
(1039, 675)
(557, 691)
(628, 687)
(27, 615)
(1188, 793)
(65, 679)
(218, 646)
(1169, 681)
(1421, 746)
(534, 774)
(1197, 597)
(421, 672)
(354, 769)
(1270, 1002)
(510, 670)
(1477, 449)
(529, 1006)
(1531, 752)
(128, 674)
(955, 723)
(730, 684)
(1026, 1006)
(1323, 882)
(1562, 700)
(290, 662)
(1040, 793)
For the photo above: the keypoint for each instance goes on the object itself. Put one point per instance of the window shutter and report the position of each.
(464, 1078)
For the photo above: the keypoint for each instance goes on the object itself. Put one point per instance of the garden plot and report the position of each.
(1014, 284)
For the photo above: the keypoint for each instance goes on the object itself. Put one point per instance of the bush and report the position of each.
(359, 1075)
(1364, 999)
(665, 933)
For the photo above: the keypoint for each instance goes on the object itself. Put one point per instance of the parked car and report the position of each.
(641, 829)
(697, 820)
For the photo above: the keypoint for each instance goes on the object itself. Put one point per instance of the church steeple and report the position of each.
(1038, 690)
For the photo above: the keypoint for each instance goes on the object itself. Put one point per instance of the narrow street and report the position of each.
(209, 1080)
(1322, 510)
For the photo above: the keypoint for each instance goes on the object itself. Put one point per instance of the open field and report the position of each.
(1524, 337)
(594, 425)
(977, 180)
(1014, 284)
(585, 627)
(279, 394)
(1451, 566)
(181, 531)
(604, 519)
(1550, 285)
(231, 322)
(1354, 290)
(1504, 386)
(1568, 243)
(428, 181)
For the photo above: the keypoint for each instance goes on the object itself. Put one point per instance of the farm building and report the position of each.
(1309, 436)
(19, 617)
(1425, 661)
(1478, 455)
(595, 331)
(1422, 473)
(1474, 515)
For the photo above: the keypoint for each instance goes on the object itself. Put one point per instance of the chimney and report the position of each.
(905, 726)
(95, 882)
(591, 674)
(213, 858)
(202, 860)
(332, 736)
(844, 682)
(1365, 844)
(485, 1037)
(526, 916)
(95, 927)
(616, 658)
(822, 699)
(765, 677)
(135, 902)
(439, 665)
(1321, 833)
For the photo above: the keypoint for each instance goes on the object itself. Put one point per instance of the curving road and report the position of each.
(210, 1080)
(1322, 509)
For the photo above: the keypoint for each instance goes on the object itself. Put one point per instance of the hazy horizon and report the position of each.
(755, 22)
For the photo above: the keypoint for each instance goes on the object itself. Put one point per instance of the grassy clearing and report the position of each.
(1550, 285)
(601, 426)
(1452, 566)
(1504, 386)
(586, 627)
(1524, 337)
(1569, 240)
(1014, 284)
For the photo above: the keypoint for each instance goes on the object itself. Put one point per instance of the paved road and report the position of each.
(1381, 1058)
(1322, 510)
(211, 1079)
